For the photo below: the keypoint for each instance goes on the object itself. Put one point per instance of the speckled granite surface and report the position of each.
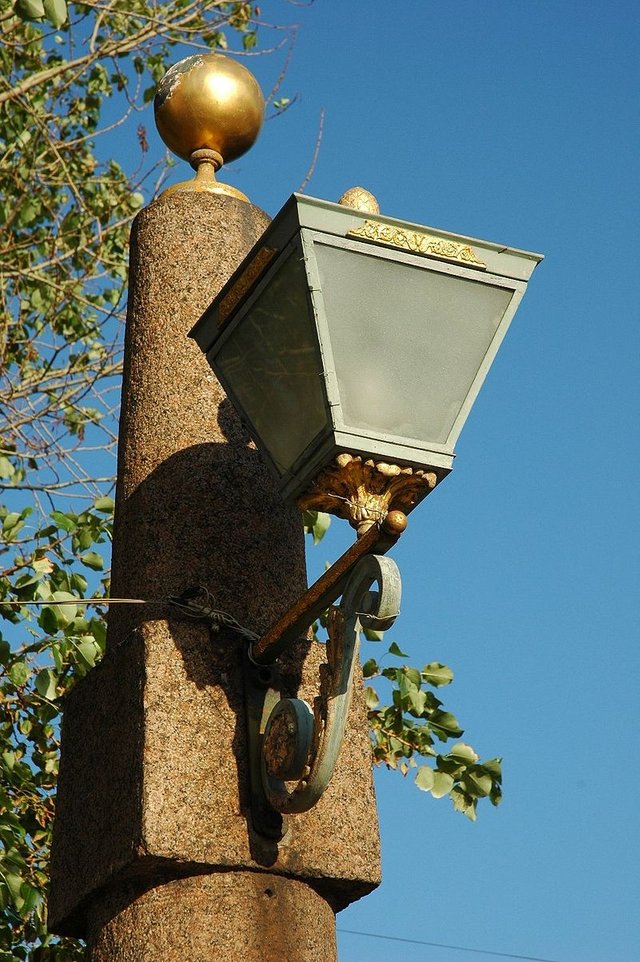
(153, 777)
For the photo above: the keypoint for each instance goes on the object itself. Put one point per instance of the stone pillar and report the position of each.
(154, 855)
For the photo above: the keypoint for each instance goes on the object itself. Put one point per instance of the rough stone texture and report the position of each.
(153, 782)
(196, 919)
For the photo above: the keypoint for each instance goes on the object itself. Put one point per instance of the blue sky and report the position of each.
(515, 122)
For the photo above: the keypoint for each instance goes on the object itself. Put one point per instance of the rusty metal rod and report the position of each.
(295, 623)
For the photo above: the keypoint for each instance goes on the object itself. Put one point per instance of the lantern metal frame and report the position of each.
(302, 226)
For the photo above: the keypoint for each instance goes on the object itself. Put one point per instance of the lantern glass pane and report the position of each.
(407, 342)
(273, 361)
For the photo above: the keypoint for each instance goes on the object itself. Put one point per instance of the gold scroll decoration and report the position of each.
(364, 492)
(417, 243)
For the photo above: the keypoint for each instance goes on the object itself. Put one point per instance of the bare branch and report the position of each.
(316, 152)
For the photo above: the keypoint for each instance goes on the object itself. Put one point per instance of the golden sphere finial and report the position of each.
(360, 199)
(209, 110)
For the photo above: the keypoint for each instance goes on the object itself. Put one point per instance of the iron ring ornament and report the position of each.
(295, 743)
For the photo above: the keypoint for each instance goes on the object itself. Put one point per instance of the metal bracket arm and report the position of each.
(289, 741)
(295, 623)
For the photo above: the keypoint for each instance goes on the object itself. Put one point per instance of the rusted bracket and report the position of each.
(295, 623)
(289, 742)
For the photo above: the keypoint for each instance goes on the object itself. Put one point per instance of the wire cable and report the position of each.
(196, 603)
(441, 945)
(87, 601)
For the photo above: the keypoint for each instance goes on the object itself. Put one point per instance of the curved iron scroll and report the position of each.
(301, 745)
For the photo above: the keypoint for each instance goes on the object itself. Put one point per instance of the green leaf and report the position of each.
(405, 685)
(55, 12)
(104, 505)
(316, 524)
(63, 613)
(309, 518)
(371, 698)
(30, 9)
(99, 631)
(464, 753)
(31, 897)
(88, 650)
(19, 673)
(14, 884)
(477, 783)
(46, 683)
(413, 675)
(48, 621)
(463, 803)
(12, 524)
(58, 657)
(418, 700)
(64, 521)
(84, 538)
(79, 582)
(494, 767)
(370, 668)
(372, 635)
(495, 796)
(437, 674)
(7, 470)
(321, 526)
(395, 650)
(452, 766)
(442, 784)
(92, 560)
(425, 778)
(447, 722)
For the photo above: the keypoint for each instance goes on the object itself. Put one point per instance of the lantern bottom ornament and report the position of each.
(364, 491)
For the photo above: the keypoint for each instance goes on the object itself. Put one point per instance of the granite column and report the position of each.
(155, 857)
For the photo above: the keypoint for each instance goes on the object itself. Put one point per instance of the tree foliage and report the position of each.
(407, 721)
(71, 76)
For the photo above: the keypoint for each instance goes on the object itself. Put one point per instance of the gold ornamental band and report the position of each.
(417, 243)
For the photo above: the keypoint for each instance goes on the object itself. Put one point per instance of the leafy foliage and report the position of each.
(71, 74)
(56, 643)
(316, 524)
(65, 214)
(413, 721)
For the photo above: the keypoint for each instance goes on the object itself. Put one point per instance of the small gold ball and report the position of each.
(395, 522)
(209, 102)
(360, 199)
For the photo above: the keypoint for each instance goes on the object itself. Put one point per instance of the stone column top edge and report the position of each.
(192, 199)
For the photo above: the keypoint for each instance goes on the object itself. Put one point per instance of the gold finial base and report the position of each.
(206, 163)
(364, 492)
(195, 185)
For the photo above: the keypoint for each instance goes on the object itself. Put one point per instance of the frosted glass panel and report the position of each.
(407, 342)
(273, 361)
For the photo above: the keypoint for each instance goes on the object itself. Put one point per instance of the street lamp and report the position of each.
(353, 345)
